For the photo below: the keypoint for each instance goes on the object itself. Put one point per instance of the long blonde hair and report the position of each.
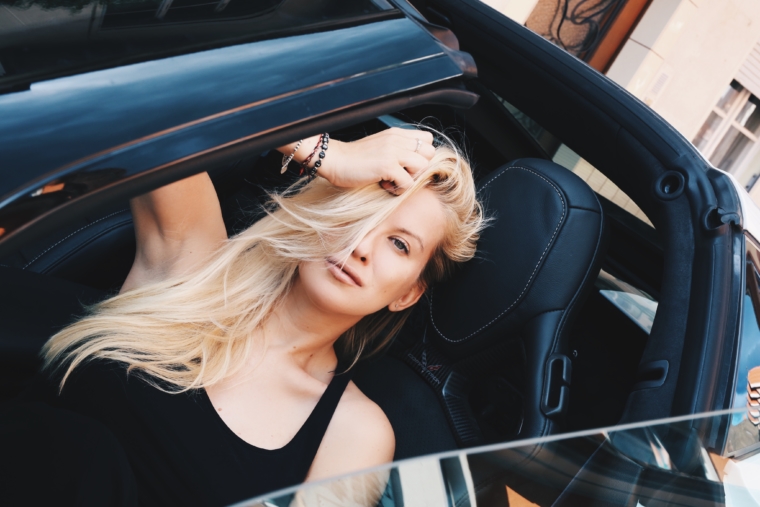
(192, 331)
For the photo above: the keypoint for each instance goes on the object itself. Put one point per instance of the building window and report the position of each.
(729, 136)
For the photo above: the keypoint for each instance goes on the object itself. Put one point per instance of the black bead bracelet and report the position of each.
(324, 139)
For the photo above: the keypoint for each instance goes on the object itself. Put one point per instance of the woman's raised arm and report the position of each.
(175, 226)
(179, 225)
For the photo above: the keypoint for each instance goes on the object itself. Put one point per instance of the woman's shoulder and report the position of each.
(359, 436)
(356, 409)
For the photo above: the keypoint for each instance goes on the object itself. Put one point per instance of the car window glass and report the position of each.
(665, 462)
(744, 428)
(563, 155)
(635, 304)
(40, 39)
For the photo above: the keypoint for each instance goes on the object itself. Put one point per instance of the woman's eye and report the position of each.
(400, 245)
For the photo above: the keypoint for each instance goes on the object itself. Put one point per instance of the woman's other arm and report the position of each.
(359, 437)
(175, 226)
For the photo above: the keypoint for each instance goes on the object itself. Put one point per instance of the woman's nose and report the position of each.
(362, 251)
(361, 255)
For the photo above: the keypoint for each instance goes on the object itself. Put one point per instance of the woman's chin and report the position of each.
(338, 305)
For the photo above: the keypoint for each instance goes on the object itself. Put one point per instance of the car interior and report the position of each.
(574, 315)
(549, 330)
(559, 255)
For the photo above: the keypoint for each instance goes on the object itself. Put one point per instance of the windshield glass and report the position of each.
(41, 39)
(680, 461)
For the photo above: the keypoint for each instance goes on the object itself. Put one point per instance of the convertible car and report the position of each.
(616, 286)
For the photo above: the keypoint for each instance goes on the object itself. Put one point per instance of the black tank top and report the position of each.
(180, 451)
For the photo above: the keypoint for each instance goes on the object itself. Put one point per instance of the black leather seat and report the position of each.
(97, 250)
(486, 359)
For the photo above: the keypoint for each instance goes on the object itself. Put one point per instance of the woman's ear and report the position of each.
(408, 299)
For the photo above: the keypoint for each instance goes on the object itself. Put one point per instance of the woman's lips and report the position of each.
(344, 275)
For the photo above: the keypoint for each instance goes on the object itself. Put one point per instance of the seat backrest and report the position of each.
(491, 346)
(96, 250)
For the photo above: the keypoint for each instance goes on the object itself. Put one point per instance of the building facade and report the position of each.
(695, 62)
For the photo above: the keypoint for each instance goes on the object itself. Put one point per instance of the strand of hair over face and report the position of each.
(195, 330)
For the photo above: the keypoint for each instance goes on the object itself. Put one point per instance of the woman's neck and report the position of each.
(305, 333)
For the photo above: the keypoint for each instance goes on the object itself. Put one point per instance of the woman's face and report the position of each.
(384, 269)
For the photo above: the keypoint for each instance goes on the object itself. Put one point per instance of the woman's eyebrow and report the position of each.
(410, 233)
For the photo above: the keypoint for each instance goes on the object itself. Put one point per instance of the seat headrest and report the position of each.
(534, 256)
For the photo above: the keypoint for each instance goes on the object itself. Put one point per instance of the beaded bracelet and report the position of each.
(321, 143)
(286, 160)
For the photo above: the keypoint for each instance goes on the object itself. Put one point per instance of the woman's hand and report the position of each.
(392, 158)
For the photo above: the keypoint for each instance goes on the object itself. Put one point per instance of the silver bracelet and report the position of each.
(286, 160)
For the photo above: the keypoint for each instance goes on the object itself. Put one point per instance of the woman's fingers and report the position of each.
(397, 180)
(422, 151)
(414, 154)
(419, 141)
(427, 151)
(414, 163)
(423, 135)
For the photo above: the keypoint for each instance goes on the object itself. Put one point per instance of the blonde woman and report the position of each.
(223, 366)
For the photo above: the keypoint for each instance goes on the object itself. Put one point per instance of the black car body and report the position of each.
(101, 103)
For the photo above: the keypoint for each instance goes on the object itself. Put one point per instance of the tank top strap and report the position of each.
(313, 431)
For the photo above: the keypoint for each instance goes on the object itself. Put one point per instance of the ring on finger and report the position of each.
(419, 143)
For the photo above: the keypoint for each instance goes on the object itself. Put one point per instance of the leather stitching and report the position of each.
(586, 209)
(535, 269)
(70, 235)
(594, 258)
